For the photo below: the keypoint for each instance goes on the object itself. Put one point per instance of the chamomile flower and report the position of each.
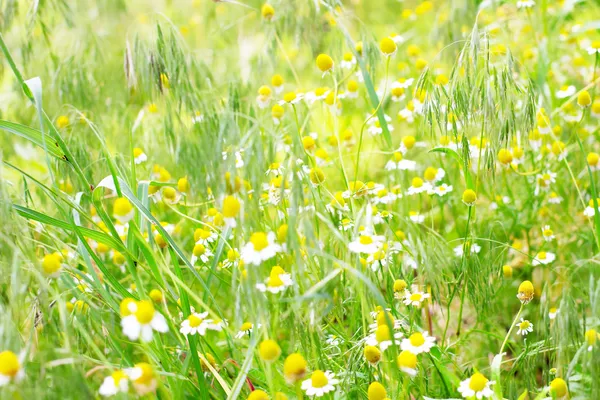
(346, 224)
(591, 338)
(548, 234)
(477, 386)
(231, 209)
(470, 247)
(543, 181)
(553, 312)
(264, 97)
(416, 217)
(418, 343)
(123, 210)
(245, 330)
(139, 156)
(383, 337)
(348, 61)
(418, 186)
(594, 47)
(407, 362)
(398, 162)
(52, 264)
(277, 281)
(143, 377)
(204, 236)
(554, 198)
(590, 210)
(441, 190)
(139, 319)
(200, 253)
(526, 292)
(260, 248)
(195, 323)
(543, 258)
(294, 368)
(415, 298)
(366, 244)
(117, 382)
(11, 367)
(524, 327)
(565, 91)
(320, 383)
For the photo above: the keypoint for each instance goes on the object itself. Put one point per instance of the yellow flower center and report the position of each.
(416, 297)
(365, 239)
(199, 249)
(169, 193)
(147, 373)
(259, 240)
(246, 326)
(430, 173)
(194, 321)
(275, 281)
(51, 263)
(406, 359)
(542, 255)
(9, 363)
(524, 325)
(145, 312)
(417, 339)
(382, 333)
(417, 182)
(231, 207)
(122, 207)
(318, 379)
(324, 62)
(478, 382)
(118, 376)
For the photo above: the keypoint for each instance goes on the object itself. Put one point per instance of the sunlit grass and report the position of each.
(231, 199)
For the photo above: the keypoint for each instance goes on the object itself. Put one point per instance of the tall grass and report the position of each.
(180, 80)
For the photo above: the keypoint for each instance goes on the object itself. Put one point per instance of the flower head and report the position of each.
(320, 383)
(10, 368)
(139, 319)
(476, 386)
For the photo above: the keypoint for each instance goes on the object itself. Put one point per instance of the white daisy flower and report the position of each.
(11, 367)
(441, 190)
(139, 156)
(524, 326)
(415, 298)
(548, 234)
(246, 330)
(565, 91)
(320, 383)
(195, 323)
(261, 247)
(139, 319)
(117, 382)
(525, 4)
(143, 377)
(418, 343)
(277, 281)
(200, 252)
(415, 216)
(382, 337)
(477, 386)
(366, 244)
(543, 258)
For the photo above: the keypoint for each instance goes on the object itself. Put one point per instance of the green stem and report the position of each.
(512, 326)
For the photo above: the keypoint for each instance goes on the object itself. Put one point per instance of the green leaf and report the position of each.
(35, 137)
(97, 236)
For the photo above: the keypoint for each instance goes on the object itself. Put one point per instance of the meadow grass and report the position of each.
(345, 200)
